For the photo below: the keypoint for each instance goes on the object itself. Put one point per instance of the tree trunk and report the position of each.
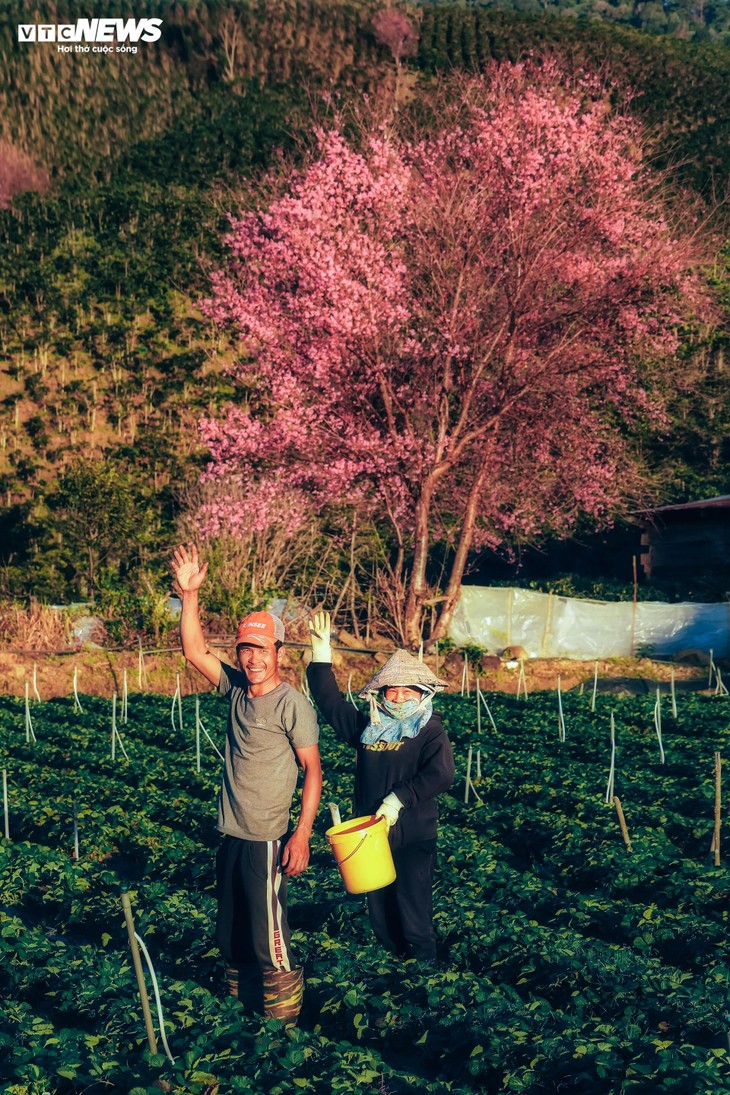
(417, 589)
(466, 539)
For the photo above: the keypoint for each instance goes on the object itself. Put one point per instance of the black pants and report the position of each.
(252, 922)
(402, 914)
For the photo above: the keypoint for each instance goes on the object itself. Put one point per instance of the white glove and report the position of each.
(319, 634)
(389, 809)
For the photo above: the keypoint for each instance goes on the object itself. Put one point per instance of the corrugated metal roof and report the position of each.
(722, 501)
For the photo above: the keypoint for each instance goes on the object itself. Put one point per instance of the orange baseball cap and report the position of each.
(260, 629)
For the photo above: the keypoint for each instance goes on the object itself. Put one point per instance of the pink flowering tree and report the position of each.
(451, 333)
(18, 173)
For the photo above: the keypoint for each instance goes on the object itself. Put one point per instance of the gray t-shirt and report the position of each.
(260, 770)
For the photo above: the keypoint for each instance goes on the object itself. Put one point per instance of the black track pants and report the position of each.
(402, 914)
(252, 922)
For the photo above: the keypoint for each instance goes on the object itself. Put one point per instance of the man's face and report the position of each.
(259, 663)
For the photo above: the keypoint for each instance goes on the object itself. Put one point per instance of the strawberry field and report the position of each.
(569, 961)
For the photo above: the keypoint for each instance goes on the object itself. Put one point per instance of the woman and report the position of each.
(404, 760)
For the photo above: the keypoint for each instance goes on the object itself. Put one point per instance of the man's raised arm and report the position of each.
(190, 575)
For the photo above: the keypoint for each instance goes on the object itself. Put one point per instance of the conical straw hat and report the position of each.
(403, 669)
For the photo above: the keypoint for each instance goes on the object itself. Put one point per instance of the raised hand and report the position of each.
(319, 634)
(189, 574)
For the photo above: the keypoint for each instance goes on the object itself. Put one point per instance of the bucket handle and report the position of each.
(363, 838)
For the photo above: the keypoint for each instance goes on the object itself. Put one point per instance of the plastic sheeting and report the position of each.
(549, 626)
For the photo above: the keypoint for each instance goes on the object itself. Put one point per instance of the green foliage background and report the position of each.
(108, 356)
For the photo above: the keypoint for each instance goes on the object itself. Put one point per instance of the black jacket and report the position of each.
(417, 769)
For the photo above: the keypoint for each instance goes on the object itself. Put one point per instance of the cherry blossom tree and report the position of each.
(452, 331)
(18, 173)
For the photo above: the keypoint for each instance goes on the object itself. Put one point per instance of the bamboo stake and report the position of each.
(116, 736)
(674, 697)
(622, 823)
(465, 677)
(78, 709)
(179, 702)
(468, 776)
(350, 696)
(489, 713)
(612, 770)
(35, 685)
(125, 699)
(479, 764)
(29, 732)
(141, 669)
(479, 708)
(595, 686)
(561, 716)
(174, 702)
(6, 817)
(197, 733)
(658, 723)
(711, 669)
(718, 803)
(126, 905)
(76, 828)
(522, 680)
(201, 726)
(720, 689)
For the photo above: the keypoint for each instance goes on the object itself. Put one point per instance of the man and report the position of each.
(271, 729)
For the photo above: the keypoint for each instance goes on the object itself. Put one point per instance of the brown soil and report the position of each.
(101, 672)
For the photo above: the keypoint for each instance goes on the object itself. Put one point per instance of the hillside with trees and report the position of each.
(117, 178)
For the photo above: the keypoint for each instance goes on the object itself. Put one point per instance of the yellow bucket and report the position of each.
(363, 854)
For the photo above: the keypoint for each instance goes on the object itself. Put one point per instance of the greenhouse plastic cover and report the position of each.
(549, 626)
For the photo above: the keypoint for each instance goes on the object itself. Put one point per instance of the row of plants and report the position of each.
(565, 958)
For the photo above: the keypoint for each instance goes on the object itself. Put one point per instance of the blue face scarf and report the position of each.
(396, 720)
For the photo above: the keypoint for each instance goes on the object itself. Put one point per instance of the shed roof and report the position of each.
(722, 501)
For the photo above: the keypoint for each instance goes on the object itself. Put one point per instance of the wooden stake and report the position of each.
(468, 776)
(622, 823)
(718, 803)
(77, 702)
(612, 769)
(137, 961)
(5, 804)
(486, 708)
(76, 828)
(29, 732)
(125, 698)
(179, 702)
(658, 723)
(197, 733)
(595, 687)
